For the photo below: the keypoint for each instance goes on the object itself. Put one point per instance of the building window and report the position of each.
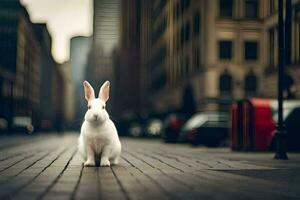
(271, 47)
(251, 49)
(181, 36)
(185, 4)
(197, 58)
(178, 10)
(271, 7)
(225, 50)
(250, 84)
(185, 33)
(177, 41)
(225, 8)
(187, 65)
(197, 23)
(251, 9)
(182, 65)
(225, 83)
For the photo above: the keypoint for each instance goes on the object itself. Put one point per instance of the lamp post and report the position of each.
(288, 32)
(281, 134)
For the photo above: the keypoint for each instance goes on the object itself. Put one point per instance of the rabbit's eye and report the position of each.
(89, 107)
(103, 107)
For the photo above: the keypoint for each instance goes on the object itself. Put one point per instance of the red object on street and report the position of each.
(248, 125)
(236, 126)
(264, 125)
(252, 125)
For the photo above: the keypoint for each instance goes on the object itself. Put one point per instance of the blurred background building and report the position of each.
(214, 45)
(31, 81)
(104, 41)
(20, 63)
(212, 52)
(68, 95)
(79, 50)
(22, 55)
(131, 71)
(223, 49)
(47, 72)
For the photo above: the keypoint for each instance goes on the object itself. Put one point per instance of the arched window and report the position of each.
(225, 83)
(250, 83)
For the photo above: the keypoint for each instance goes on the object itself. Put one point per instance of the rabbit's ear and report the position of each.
(88, 91)
(104, 91)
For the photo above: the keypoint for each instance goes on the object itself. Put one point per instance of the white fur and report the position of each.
(98, 136)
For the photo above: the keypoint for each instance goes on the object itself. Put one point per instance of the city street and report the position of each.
(49, 167)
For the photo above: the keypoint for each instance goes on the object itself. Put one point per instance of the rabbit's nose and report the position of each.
(95, 116)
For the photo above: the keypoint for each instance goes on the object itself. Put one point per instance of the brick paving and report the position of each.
(49, 167)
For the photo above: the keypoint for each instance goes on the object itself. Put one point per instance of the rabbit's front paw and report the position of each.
(115, 161)
(89, 163)
(104, 163)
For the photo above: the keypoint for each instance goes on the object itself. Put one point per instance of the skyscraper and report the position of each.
(19, 63)
(106, 25)
(105, 40)
(79, 49)
(131, 72)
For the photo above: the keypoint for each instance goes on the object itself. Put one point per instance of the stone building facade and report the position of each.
(224, 49)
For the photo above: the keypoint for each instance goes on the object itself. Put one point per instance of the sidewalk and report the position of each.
(49, 167)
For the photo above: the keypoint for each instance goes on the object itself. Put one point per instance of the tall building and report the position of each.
(145, 52)
(219, 48)
(131, 69)
(68, 96)
(7, 64)
(19, 62)
(57, 99)
(79, 49)
(127, 67)
(105, 41)
(30, 80)
(48, 68)
(106, 25)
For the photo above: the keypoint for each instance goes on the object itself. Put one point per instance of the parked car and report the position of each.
(22, 124)
(135, 130)
(146, 128)
(291, 118)
(154, 128)
(172, 127)
(292, 124)
(208, 128)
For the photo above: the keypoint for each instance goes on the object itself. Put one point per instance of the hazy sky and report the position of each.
(65, 19)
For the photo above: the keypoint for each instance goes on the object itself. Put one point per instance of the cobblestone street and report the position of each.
(49, 167)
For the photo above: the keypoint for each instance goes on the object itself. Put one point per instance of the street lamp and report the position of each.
(281, 134)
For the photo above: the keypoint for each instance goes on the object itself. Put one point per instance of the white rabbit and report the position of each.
(98, 136)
